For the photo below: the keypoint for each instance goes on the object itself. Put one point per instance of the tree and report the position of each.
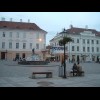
(63, 42)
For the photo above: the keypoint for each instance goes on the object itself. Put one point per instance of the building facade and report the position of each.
(17, 39)
(84, 47)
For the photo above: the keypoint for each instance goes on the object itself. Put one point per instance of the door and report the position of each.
(17, 56)
(23, 56)
(2, 55)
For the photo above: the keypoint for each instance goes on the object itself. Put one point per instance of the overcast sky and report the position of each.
(54, 22)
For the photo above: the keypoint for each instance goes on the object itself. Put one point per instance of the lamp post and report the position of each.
(64, 57)
(6, 54)
(63, 42)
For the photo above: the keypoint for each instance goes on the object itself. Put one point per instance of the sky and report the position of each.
(54, 22)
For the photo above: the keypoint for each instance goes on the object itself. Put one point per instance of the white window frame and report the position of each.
(17, 45)
(17, 35)
(10, 45)
(3, 45)
(37, 45)
(24, 45)
(10, 34)
(30, 45)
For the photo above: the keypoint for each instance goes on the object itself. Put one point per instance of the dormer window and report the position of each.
(3, 35)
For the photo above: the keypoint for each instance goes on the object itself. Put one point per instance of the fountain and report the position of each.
(35, 59)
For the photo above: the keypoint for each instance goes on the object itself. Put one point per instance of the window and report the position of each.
(37, 46)
(3, 45)
(88, 41)
(77, 40)
(10, 45)
(24, 45)
(37, 35)
(72, 40)
(72, 48)
(77, 48)
(83, 49)
(24, 35)
(17, 56)
(3, 35)
(92, 49)
(52, 44)
(30, 45)
(97, 41)
(44, 46)
(88, 49)
(92, 41)
(10, 34)
(17, 35)
(97, 49)
(17, 45)
(55, 44)
(84, 41)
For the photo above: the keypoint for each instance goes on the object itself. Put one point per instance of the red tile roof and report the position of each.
(77, 31)
(20, 25)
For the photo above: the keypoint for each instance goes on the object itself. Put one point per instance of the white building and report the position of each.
(17, 39)
(85, 44)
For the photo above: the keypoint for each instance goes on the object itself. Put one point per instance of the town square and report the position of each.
(37, 50)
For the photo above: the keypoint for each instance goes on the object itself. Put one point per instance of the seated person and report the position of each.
(79, 69)
(74, 68)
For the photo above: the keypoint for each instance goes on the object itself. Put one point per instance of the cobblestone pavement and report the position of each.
(14, 75)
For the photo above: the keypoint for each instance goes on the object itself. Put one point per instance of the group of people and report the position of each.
(77, 69)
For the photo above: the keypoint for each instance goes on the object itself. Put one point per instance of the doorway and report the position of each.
(17, 56)
(2, 55)
(23, 55)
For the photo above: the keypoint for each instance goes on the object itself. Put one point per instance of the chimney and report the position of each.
(10, 19)
(3, 19)
(20, 20)
(28, 20)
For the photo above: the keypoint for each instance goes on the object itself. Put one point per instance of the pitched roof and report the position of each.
(20, 25)
(77, 31)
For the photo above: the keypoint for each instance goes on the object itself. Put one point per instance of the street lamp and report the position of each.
(6, 54)
(40, 39)
(63, 42)
(64, 57)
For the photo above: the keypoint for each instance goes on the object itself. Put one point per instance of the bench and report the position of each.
(48, 74)
(75, 73)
